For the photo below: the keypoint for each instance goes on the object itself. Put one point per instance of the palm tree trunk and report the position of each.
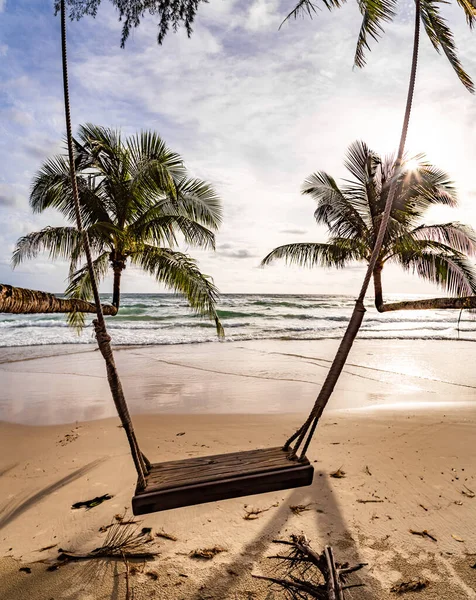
(426, 304)
(308, 428)
(116, 288)
(429, 304)
(378, 287)
(102, 336)
(15, 300)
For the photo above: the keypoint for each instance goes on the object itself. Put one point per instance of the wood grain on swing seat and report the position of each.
(210, 478)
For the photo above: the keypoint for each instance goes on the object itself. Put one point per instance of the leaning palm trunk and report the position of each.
(305, 433)
(102, 336)
(426, 304)
(15, 300)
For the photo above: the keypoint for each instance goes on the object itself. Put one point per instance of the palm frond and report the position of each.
(337, 253)
(374, 13)
(460, 238)
(51, 188)
(343, 214)
(158, 228)
(307, 8)
(152, 164)
(451, 271)
(469, 11)
(361, 161)
(179, 272)
(59, 242)
(442, 38)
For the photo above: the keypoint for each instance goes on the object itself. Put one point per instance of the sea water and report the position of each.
(147, 319)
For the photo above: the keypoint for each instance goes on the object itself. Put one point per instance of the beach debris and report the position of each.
(297, 509)
(47, 548)
(369, 500)
(152, 574)
(303, 573)
(180, 433)
(25, 569)
(413, 585)
(367, 470)
(166, 536)
(118, 519)
(53, 567)
(88, 504)
(423, 533)
(254, 513)
(207, 553)
(121, 543)
(473, 566)
(339, 474)
(69, 437)
(458, 503)
(467, 492)
(457, 538)
(424, 507)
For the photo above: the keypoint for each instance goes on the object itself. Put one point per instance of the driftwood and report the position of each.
(15, 300)
(311, 575)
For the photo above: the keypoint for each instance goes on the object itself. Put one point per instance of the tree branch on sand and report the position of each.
(15, 300)
(307, 574)
(121, 543)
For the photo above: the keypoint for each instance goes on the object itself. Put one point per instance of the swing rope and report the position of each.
(141, 463)
(306, 431)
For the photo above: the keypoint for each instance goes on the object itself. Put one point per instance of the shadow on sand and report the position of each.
(329, 527)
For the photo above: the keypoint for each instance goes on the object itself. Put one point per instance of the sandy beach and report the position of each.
(401, 425)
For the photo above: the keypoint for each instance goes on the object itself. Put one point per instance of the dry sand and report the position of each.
(420, 461)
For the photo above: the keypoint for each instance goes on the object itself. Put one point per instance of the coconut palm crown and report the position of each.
(352, 214)
(136, 201)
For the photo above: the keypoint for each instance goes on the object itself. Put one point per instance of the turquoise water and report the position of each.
(147, 319)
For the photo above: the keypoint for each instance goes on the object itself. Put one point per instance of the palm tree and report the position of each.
(353, 212)
(135, 199)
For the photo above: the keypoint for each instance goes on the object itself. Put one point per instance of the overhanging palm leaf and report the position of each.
(374, 13)
(180, 273)
(442, 38)
(377, 12)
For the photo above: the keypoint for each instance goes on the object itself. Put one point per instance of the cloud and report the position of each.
(262, 15)
(230, 251)
(294, 231)
(251, 109)
(11, 194)
(2, 5)
(19, 116)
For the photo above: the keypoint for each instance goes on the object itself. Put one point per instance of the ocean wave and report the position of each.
(163, 320)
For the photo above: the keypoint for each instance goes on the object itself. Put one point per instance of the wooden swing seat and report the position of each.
(207, 479)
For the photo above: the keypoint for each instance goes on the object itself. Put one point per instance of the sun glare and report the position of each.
(411, 165)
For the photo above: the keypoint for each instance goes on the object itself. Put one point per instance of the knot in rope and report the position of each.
(102, 335)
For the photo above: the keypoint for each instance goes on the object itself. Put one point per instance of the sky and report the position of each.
(252, 108)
